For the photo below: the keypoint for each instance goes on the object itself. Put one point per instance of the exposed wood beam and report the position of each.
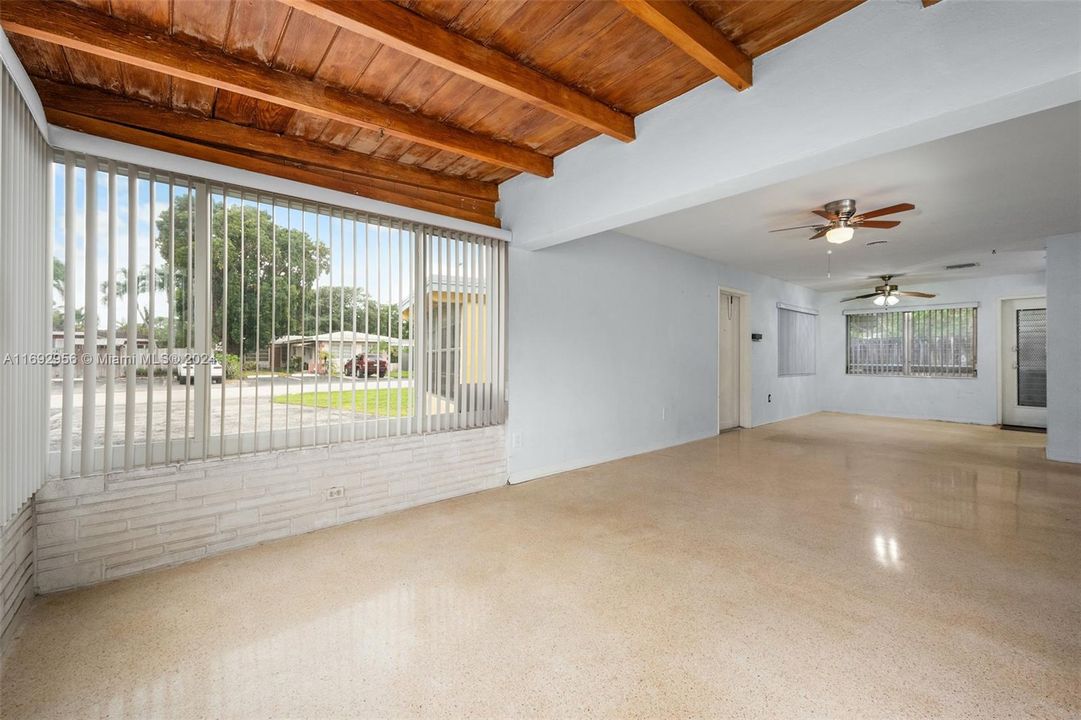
(929, 3)
(105, 36)
(692, 34)
(125, 111)
(407, 32)
(478, 211)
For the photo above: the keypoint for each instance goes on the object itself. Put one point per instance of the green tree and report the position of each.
(372, 317)
(60, 285)
(58, 318)
(143, 322)
(59, 276)
(282, 264)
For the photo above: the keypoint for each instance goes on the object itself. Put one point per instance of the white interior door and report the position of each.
(1024, 362)
(728, 363)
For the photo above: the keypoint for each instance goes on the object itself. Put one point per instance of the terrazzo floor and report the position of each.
(830, 566)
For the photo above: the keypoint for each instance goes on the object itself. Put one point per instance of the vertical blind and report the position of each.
(796, 336)
(208, 320)
(24, 301)
(934, 342)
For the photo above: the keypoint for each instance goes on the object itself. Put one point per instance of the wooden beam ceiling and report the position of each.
(479, 211)
(692, 34)
(125, 111)
(428, 106)
(407, 32)
(104, 36)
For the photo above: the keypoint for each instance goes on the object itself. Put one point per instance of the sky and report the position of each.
(381, 243)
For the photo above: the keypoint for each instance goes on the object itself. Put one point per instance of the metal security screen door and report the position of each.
(1024, 362)
(1032, 357)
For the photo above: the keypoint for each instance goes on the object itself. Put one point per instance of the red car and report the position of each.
(366, 366)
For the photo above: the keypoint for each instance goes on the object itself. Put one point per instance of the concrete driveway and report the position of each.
(248, 406)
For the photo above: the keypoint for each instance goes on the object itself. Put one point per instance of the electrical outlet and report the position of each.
(335, 492)
(516, 440)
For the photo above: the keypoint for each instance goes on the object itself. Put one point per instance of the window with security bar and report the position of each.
(195, 320)
(931, 342)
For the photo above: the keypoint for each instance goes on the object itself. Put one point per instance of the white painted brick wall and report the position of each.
(104, 527)
(16, 568)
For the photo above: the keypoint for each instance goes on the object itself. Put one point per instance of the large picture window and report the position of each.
(934, 342)
(193, 319)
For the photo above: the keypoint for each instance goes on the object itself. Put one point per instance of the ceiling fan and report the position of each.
(887, 294)
(843, 220)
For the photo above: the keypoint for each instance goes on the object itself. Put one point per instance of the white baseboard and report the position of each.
(521, 476)
(908, 416)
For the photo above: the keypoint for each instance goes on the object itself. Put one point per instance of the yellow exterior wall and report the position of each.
(473, 342)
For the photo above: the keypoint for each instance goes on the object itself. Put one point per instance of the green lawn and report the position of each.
(382, 402)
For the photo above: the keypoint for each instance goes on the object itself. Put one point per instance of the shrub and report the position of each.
(230, 363)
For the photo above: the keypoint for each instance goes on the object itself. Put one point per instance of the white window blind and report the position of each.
(932, 342)
(796, 336)
(208, 320)
(24, 300)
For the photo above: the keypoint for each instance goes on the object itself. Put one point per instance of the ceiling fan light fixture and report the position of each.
(892, 300)
(879, 300)
(840, 234)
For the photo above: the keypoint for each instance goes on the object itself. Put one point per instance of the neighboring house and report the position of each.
(327, 352)
(101, 345)
(455, 324)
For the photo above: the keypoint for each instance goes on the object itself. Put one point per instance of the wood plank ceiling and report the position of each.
(425, 103)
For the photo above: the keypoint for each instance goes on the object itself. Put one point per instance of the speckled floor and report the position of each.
(830, 566)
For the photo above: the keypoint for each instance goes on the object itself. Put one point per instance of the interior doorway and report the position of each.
(1024, 362)
(728, 362)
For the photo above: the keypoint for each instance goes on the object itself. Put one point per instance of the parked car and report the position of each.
(366, 366)
(187, 372)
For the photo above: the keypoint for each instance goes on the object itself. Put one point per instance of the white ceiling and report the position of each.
(1003, 187)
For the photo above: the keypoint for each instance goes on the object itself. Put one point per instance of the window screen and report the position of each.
(936, 342)
(795, 342)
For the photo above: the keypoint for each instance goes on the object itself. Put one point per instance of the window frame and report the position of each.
(906, 342)
(420, 251)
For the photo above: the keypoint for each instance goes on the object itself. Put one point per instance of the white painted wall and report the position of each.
(1064, 348)
(919, 75)
(974, 400)
(606, 332)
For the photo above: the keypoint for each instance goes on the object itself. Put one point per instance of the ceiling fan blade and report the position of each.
(900, 207)
(913, 293)
(820, 233)
(862, 297)
(828, 215)
(880, 224)
(797, 227)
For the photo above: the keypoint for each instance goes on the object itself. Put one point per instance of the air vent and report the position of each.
(962, 266)
(875, 243)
